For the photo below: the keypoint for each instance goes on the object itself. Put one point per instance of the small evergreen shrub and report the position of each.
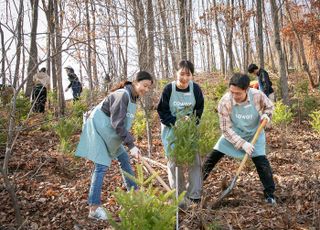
(315, 121)
(209, 131)
(65, 128)
(146, 208)
(22, 107)
(185, 141)
(282, 114)
(139, 125)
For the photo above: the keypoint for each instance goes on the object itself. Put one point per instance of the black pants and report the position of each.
(39, 97)
(262, 165)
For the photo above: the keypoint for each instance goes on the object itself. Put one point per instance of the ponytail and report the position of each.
(121, 85)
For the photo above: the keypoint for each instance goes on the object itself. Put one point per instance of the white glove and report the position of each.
(248, 148)
(265, 116)
(135, 152)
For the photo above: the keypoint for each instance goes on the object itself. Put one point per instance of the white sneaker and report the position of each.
(98, 214)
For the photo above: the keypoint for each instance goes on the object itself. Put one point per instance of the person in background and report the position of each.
(75, 84)
(181, 96)
(239, 116)
(265, 85)
(41, 81)
(105, 133)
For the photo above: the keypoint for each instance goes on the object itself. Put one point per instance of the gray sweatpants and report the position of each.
(194, 185)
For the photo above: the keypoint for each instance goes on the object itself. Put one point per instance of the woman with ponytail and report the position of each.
(105, 134)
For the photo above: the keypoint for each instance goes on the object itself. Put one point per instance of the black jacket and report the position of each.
(163, 108)
(264, 82)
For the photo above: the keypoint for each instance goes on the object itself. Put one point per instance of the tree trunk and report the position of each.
(182, 24)
(4, 55)
(151, 36)
(277, 41)
(221, 52)
(94, 44)
(58, 56)
(260, 35)
(229, 37)
(33, 58)
(89, 51)
(301, 48)
(167, 38)
(19, 44)
(189, 32)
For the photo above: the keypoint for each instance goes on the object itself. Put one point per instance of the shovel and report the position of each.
(243, 162)
(152, 171)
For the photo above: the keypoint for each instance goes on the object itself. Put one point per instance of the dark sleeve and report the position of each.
(69, 85)
(267, 82)
(163, 108)
(118, 111)
(198, 108)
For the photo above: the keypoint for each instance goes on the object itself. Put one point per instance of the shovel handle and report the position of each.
(157, 176)
(254, 140)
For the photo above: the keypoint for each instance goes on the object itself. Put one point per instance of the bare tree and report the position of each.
(277, 41)
(182, 24)
(33, 58)
(221, 51)
(301, 48)
(260, 35)
(4, 55)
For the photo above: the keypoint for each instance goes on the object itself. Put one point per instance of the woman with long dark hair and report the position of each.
(105, 133)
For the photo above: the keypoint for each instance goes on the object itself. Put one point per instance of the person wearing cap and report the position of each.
(41, 81)
(179, 100)
(265, 85)
(105, 134)
(240, 112)
(75, 84)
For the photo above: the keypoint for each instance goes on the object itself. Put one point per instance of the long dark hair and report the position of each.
(140, 76)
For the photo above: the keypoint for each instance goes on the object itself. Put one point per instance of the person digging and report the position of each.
(240, 112)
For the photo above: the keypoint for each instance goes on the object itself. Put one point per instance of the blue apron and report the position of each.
(99, 141)
(181, 104)
(245, 121)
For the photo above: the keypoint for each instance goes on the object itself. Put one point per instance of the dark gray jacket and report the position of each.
(115, 106)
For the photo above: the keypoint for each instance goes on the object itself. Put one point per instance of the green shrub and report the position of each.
(23, 107)
(315, 122)
(139, 125)
(65, 128)
(220, 89)
(185, 141)
(146, 208)
(209, 130)
(48, 121)
(282, 114)
(52, 96)
(302, 88)
(78, 108)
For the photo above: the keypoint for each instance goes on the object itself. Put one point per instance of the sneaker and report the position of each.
(98, 214)
(271, 200)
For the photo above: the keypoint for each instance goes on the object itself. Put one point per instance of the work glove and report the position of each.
(135, 152)
(264, 116)
(248, 148)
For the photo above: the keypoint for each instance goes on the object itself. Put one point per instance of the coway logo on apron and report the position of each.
(178, 103)
(244, 116)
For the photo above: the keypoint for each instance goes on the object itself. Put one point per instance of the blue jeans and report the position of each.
(98, 175)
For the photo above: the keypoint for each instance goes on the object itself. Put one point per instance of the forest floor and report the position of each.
(52, 187)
